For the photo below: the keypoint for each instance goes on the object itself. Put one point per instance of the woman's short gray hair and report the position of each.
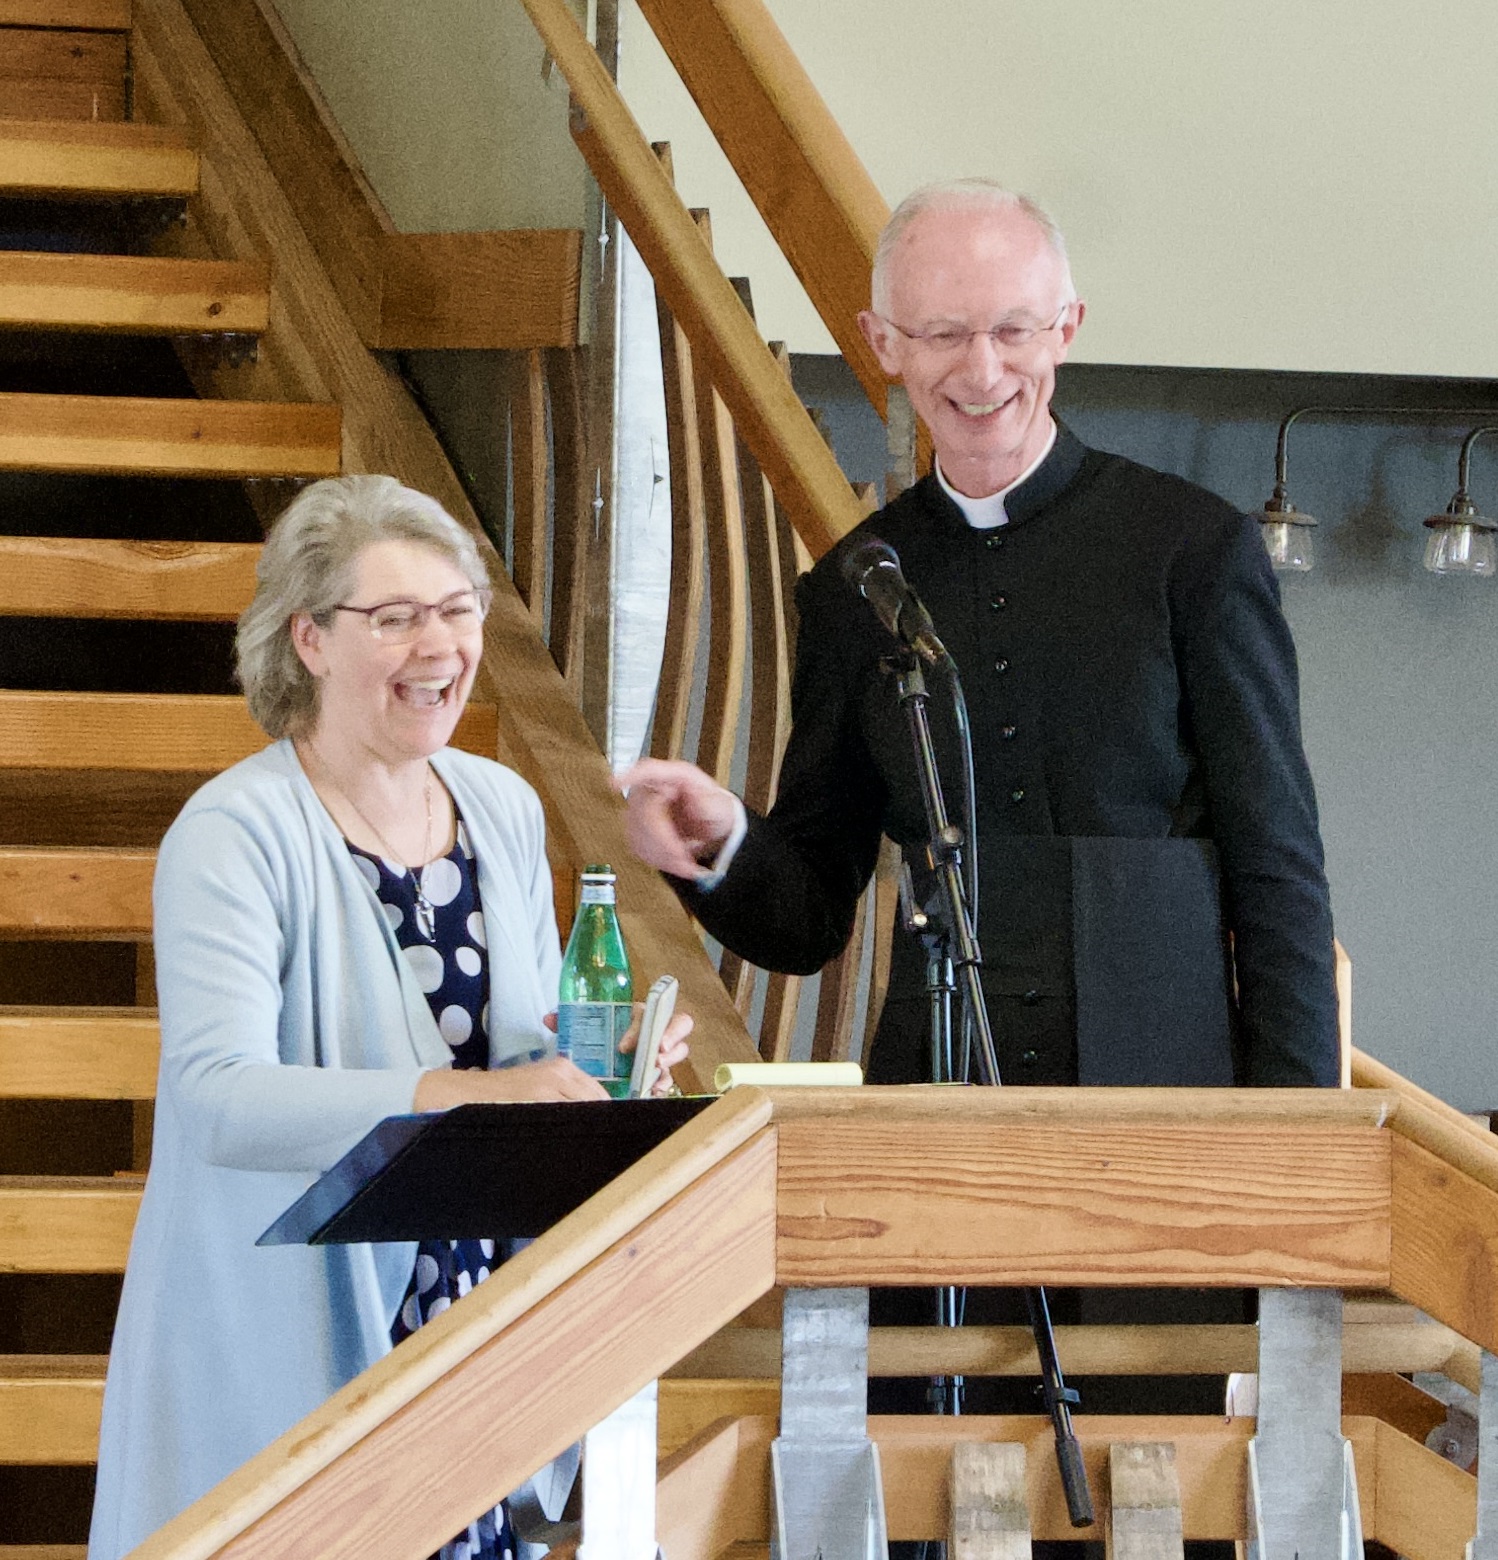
(307, 565)
(956, 194)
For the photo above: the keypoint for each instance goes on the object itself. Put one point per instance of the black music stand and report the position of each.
(478, 1172)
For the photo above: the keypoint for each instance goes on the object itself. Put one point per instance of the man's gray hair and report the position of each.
(308, 565)
(953, 195)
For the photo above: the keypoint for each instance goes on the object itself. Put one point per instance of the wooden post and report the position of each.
(1145, 1523)
(990, 1514)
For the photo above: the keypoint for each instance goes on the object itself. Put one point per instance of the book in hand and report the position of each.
(660, 1004)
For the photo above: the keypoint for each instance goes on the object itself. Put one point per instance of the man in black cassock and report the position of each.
(1153, 904)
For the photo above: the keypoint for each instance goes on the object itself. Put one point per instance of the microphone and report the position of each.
(873, 570)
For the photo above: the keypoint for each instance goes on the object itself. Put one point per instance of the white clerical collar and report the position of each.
(983, 514)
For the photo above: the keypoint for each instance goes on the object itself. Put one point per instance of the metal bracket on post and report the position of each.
(619, 1483)
(1302, 1485)
(1484, 1544)
(829, 1498)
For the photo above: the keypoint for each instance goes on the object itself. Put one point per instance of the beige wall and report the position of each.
(1294, 184)
(443, 102)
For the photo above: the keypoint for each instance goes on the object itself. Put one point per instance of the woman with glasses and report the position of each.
(354, 923)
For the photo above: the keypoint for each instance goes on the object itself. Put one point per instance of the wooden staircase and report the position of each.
(91, 771)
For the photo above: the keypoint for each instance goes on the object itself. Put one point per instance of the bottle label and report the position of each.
(589, 1033)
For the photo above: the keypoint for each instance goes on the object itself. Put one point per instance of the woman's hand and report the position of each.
(554, 1078)
(673, 1049)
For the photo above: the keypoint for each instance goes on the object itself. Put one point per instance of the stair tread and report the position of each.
(90, 15)
(53, 1367)
(47, 576)
(160, 435)
(132, 294)
(108, 159)
(146, 731)
(66, 1224)
(78, 1053)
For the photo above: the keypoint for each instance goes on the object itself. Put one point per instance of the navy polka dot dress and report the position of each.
(451, 965)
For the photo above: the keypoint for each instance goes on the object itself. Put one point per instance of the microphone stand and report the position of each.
(944, 857)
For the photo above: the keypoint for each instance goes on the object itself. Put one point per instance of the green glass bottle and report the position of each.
(595, 1002)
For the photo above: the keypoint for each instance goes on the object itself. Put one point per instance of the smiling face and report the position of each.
(972, 268)
(382, 702)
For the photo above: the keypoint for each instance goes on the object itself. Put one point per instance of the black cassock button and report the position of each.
(1001, 665)
(1007, 732)
(1017, 794)
(1029, 1058)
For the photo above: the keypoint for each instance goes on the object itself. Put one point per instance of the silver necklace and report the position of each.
(426, 911)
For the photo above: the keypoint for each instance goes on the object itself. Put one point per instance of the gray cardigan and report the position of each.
(290, 1025)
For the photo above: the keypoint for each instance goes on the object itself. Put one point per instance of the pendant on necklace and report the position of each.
(426, 912)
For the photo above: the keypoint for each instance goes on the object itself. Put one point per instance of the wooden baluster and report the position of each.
(770, 676)
(572, 515)
(528, 477)
(728, 632)
(688, 530)
(837, 999)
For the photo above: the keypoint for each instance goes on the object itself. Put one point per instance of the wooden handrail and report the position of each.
(777, 427)
(821, 206)
(598, 1347)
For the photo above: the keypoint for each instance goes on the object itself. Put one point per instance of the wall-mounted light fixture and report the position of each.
(1287, 530)
(1461, 541)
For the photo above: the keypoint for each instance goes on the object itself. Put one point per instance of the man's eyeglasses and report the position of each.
(1011, 334)
(399, 622)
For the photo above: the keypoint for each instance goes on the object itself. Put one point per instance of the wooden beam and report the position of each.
(1084, 1202)
(1444, 1229)
(107, 15)
(797, 166)
(66, 1224)
(78, 1053)
(158, 436)
(95, 893)
(153, 731)
(515, 290)
(518, 1368)
(49, 576)
(1424, 1507)
(67, 157)
(132, 294)
(747, 1353)
(724, 341)
(49, 1408)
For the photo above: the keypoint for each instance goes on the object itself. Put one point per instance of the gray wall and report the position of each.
(1399, 669)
